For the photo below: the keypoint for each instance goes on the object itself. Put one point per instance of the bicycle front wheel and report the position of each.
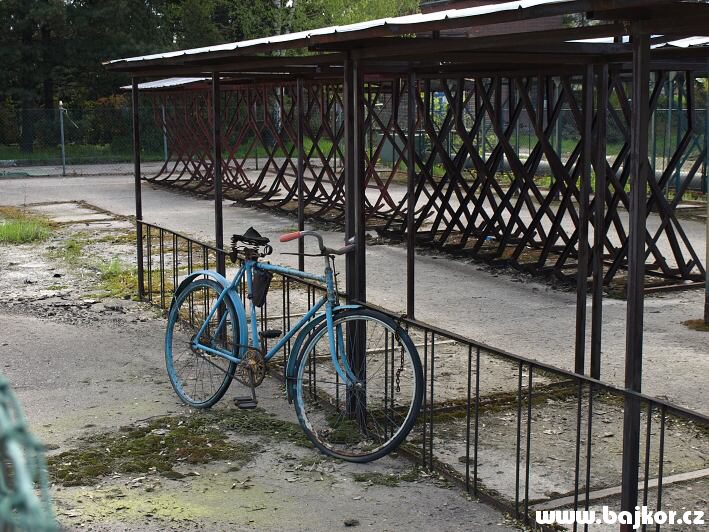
(363, 419)
(200, 378)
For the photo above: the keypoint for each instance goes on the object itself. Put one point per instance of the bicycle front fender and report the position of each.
(236, 301)
(292, 364)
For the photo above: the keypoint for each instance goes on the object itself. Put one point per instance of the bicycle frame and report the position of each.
(329, 301)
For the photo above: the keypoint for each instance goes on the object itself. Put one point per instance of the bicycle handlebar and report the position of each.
(290, 236)
(323, 249)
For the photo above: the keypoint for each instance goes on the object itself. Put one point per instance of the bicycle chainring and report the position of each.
(253, 360)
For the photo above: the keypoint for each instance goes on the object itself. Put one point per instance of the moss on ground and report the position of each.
(162, 444)
(388, 479)
(696, 325)
(118, 238)
(258, 422)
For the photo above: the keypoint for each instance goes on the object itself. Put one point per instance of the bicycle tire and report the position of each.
(363, 436)
(205, 364)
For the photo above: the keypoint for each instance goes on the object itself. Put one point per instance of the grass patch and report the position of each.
(118, 280)
(57, 287)
(71, 250)
(696, 325)
(20, 227)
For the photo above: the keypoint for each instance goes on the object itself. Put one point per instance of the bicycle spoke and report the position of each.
(200, 378)
(371, 415)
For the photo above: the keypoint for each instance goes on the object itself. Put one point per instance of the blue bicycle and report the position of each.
(353, 373)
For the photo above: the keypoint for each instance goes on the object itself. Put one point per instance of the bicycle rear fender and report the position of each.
(291, 366)
(238, 305)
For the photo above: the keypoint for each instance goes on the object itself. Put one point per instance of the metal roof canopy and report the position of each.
(414, 42)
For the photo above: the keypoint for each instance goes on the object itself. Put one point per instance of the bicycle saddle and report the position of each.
(251, 236)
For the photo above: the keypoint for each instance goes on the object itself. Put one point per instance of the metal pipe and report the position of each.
(217, 170)
(706, 198)
(668, 125)
(411, 198)
(164, 131)
(360, 189)
(61, 136)
(599, 222)
(138, 191)
(636, 271)
(350, 155)
(301, 170)
(584, 198)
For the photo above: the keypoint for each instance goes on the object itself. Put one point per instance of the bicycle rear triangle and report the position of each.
(353, 374)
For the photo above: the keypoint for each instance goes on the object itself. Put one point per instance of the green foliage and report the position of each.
(53, 49)
(339, 12)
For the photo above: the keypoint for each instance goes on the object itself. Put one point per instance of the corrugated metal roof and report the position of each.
(687, 42)
(294, 39)
(165, 83)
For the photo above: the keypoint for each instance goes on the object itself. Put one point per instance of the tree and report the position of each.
(340, 12)
(30, 38)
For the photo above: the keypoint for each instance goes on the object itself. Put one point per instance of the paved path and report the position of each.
(510, 312)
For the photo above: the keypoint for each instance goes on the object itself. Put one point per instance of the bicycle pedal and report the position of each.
(247, 404)
(244, 399)
(270, 333)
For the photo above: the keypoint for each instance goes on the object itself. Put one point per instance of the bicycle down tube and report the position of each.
(336, 344)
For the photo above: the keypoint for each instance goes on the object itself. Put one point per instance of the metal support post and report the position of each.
(680, 117)
(360, 184)
(411, 194)
(584, 199)
(301, 169)
(706, 198)
(138, 191)
(350, 157)
(164, 131)
(217, 170)
(61, 136)
(599, 222)
(636, 271)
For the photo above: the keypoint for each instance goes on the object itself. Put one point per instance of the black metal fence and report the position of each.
(513, 431)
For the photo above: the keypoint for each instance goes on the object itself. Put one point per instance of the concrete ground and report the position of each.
(509, 311)
(84, 365)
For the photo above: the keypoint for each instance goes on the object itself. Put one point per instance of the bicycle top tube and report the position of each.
(290, 271)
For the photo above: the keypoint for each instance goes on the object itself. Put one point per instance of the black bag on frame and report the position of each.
(260, 282)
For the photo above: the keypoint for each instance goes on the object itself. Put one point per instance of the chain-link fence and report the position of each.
(75, 136)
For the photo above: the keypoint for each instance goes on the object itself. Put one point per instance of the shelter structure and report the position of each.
(445, 109)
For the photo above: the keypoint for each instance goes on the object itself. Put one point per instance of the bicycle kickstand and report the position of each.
(248, 402)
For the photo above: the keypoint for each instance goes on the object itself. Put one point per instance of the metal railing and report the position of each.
(516, 432)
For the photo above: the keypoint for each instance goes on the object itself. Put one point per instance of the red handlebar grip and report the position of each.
(290, 236)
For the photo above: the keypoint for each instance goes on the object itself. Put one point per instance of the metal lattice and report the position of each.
(24, 496)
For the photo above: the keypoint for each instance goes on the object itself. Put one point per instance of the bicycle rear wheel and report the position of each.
(200, 378)
(363, 421)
